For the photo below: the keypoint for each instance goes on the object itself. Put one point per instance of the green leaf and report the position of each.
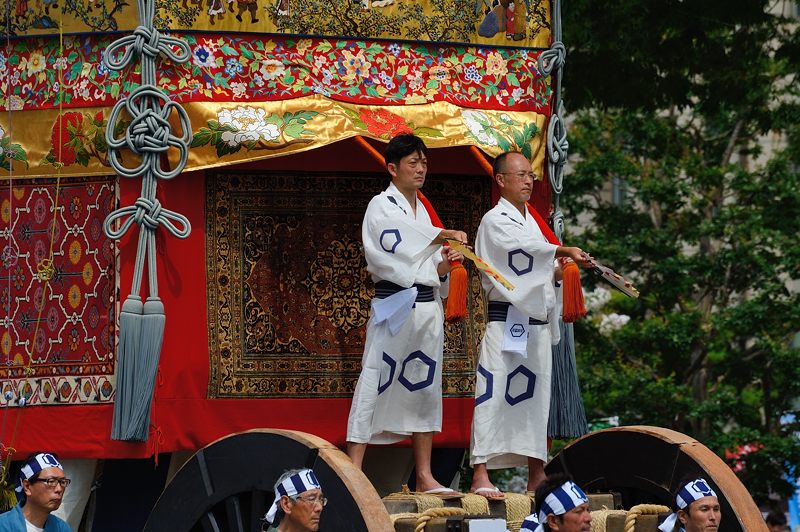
(293, 130)
(275, 119)
(246, 53)
(201, 138)
(428, 132)
(403, 70)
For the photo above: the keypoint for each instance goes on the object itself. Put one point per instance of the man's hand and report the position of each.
(580, 257)
(450, 256)
(451, 234)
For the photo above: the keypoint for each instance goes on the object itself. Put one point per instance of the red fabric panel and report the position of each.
(182, 416)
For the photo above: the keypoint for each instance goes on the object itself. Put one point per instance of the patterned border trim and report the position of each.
(250, 68)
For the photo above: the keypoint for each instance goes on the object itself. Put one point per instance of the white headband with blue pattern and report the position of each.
(296, 484)
(32, 467)
(560, 501)
(690, 492)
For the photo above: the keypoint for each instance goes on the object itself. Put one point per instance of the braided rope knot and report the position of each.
(552, 58)
(149, 134)
(146, 41)
(148, 214)
(558, 224)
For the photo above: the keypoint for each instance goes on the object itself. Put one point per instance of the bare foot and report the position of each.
(490, 492)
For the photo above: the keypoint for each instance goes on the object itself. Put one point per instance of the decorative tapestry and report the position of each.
(289, 294)
(58, 316)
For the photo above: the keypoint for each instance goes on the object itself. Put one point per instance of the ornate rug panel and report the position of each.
(289, 293)
(58, 319)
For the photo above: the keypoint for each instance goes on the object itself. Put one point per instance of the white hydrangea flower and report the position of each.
(597, 299)
(612, 322)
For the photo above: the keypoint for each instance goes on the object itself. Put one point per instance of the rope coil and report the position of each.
(552, 58)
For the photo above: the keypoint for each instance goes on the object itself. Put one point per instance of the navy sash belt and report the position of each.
(384, 289)
(498, 310)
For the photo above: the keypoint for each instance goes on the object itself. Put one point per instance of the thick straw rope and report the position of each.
(599, 518)
(518, 507)
(642, 509)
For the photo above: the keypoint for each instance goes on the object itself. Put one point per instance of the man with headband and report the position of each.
(697, 509)
(40, 488)
(298, 502)
(560, 506)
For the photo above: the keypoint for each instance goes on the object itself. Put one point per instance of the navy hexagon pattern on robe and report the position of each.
(520, 261)
(407, 378)
(392, 365)
(517, 330)
(522, 377)
(390, 238)
(489, 390)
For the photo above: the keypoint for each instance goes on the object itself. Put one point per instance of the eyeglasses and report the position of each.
(52, 481)
(312, 499)
(520, 175)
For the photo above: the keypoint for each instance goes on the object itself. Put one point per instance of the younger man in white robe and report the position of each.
(512, 391)
(399, 391)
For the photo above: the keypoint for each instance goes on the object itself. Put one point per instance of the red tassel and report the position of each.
(457, 296)
(574, 308)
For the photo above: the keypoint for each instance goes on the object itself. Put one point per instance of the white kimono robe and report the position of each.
(399, 390)
(512, 392)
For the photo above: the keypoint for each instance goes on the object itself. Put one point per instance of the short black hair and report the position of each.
(550, 484)
(776, 517)
(500, 160)
(403, 145)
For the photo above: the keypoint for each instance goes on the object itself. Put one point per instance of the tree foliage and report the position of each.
(695, 108)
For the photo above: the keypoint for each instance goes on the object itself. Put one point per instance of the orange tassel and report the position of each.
(574, 308)
(457, 296)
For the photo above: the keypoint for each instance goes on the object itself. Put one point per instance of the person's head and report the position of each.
(776, 521)
(42, 482)
(696, 508)
(514, 177)
(561, 505)
(407, 162)
(298, 501)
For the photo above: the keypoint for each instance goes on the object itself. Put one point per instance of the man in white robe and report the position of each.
(512, 391)
(399, 390)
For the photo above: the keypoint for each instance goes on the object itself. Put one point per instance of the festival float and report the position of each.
(181, 203)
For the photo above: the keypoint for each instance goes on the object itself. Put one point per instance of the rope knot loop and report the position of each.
(149, 133)
(552, 58)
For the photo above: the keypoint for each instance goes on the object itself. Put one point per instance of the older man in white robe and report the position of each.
(512, 391)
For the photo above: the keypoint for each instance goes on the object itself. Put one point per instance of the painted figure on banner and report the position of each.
(512, 389)
(399, 390)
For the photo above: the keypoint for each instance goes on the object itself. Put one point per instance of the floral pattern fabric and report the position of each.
(37, 74)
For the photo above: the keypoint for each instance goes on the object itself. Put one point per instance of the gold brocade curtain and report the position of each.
(523, 23)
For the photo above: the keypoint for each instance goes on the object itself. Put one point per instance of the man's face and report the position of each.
(516, 179)
(305, 510)
(579, 519)
(701, 516)
(409, 174)
(42, 496)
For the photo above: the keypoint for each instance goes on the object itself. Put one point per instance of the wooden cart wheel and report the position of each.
(228, 485)
(645, 464)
